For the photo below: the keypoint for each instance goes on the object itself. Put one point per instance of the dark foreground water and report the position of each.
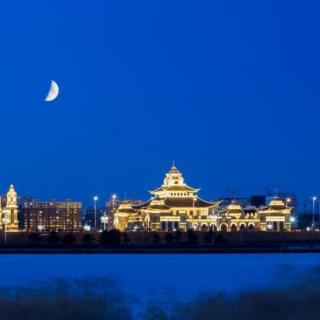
(159, 280)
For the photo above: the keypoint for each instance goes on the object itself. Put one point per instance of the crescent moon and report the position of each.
(53, 92)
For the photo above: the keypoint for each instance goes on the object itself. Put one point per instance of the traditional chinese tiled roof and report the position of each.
(142, 205)
(126, 207)
(189, 202)
(179, 188)
(174, 181)
(275, 204)
(158, 204)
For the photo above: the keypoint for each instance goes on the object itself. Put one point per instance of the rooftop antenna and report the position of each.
(173, 164)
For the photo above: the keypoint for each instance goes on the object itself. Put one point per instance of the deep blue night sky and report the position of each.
(229, 90)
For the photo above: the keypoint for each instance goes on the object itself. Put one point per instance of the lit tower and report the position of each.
(12, 209)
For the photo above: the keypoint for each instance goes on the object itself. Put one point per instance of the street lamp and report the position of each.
(95, 199)
(104, 220)
(5, 220)
(40, 228)
(86, 227)
(314, 199)
(288, 201)
(114, 198)
(292, 219)
(113, 209)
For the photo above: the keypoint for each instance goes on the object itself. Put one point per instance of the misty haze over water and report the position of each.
(140, 286)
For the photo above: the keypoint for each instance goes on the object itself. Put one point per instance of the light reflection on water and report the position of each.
(162, 276)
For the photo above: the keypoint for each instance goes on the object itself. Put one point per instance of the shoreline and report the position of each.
(214, 250)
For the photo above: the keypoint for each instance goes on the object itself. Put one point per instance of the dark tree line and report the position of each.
(114, 237)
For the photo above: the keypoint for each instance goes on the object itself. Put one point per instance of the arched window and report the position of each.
(224, 227)
(204, 228)
(233, 228)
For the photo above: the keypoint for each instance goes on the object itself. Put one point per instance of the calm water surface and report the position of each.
(163, 276)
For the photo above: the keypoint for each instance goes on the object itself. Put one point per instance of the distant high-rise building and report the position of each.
(111, 206)
(90, 215)
(51, 215)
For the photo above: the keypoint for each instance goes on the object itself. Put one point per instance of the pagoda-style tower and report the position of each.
(174, 206)
(174, 186)
(11, 210)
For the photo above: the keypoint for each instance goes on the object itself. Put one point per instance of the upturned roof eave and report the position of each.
(167, 188)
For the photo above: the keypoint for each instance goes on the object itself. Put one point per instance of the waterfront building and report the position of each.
(51, 215)
(236, 218)
(9, 210)
(275, 216)
(176, 206)
(289, 198)
(226, 201)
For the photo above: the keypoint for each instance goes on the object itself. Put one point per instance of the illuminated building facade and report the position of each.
(273, 217)
(9, 210)
(51, 215)
(176, 206)
(276, 216)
